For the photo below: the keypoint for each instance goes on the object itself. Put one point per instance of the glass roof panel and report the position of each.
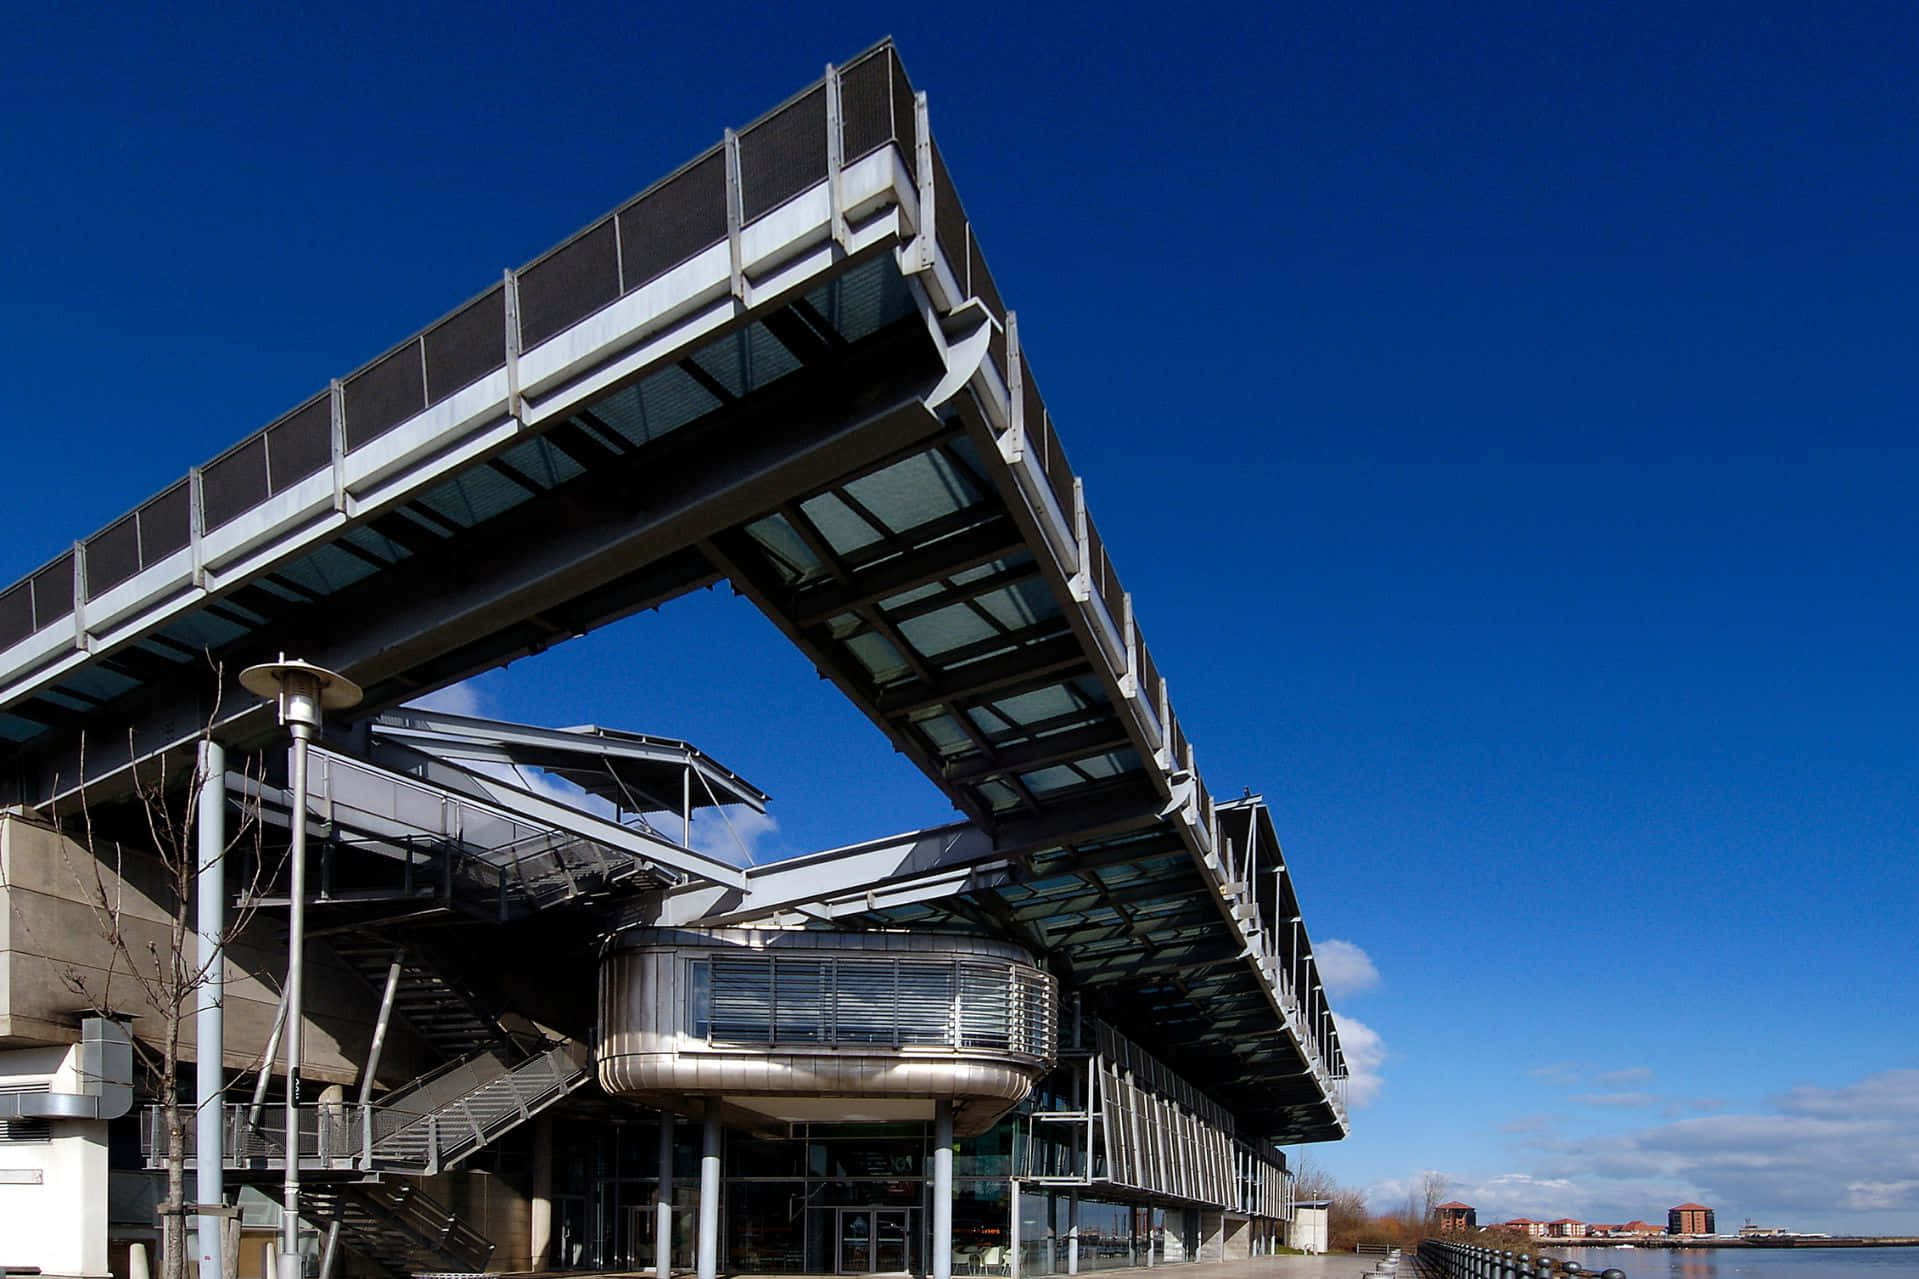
(323, 570)
(1043, 703)
(876, 653)
(473, 496)
(911, 597)
(998, 795)
(788, 552)
(665, 401)
(1021, 604)
(368, 540)
(843, 530)
(1044, 781)
(98, 682)
(943, 731)
(1111, 764)
(863, 300)
(540, 462)
(916, 489)
(948, 628)
(203, 630)
(15, 729)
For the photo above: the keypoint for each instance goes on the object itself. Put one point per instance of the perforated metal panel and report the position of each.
(905, 119)
(949, 219)
(300, 444)
(53, 591)
(466, 346)
(569, 284)
(866, 105)
(166, 524)
(674, 220)
(16, 614)
(235, 482)
(980, 281)
(783, 155)
(113, 555)
(387, 393)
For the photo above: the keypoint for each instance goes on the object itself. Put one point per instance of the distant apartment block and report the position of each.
(1690, 1219)
(1455, 1217)
(1525, 1226)
(1566, 1228)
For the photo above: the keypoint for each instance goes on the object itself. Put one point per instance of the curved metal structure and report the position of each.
(801, 1025)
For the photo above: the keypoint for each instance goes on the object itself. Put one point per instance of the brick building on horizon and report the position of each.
(1456, 1217)
(1691, 1219)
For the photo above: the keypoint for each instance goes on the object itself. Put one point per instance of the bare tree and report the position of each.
(152, 970)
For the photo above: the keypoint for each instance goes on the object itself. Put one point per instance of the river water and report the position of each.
(1750, 1263)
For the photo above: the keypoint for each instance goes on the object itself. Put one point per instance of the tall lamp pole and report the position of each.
(302, 692)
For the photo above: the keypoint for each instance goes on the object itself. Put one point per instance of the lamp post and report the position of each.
(301, 692)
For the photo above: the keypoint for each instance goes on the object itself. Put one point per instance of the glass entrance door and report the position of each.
(874, 1241)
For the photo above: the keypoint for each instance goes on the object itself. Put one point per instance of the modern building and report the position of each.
(1525, 1226)
(1456, 1216)
(531, 1025)
(1690, 1219)
(1566, 1228)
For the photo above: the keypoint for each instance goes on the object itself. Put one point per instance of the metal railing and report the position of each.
(426, 1127)
(1451, 1260)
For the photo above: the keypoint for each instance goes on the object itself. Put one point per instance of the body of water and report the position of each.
(1749, 1263)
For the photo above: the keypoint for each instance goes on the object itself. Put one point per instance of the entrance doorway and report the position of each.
(874, 1241)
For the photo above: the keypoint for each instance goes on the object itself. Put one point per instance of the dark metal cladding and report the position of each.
(235, 482)
(467, 345)
(16, 614)
(980, 281)
(783, 155)
(113, 555)
(866, 105)
(905, 118)
(673, 221)
(166, 524)
(300, 443)
(570, 283)
(949, 219)
(53, 591)
(385, 394)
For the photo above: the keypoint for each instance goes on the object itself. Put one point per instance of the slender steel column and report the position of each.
(663, 1207)
(387, 995)
(942, 1267)
(1012, 1228)
(709, 1253)
(302, 693)
(209, 1049)
(539, 1234)
(1072, 1233)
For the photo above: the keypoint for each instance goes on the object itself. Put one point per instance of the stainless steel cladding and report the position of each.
(755, 1016)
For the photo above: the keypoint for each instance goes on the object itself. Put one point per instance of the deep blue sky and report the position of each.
(1504, 417)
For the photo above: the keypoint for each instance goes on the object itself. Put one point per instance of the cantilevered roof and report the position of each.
(786, 365)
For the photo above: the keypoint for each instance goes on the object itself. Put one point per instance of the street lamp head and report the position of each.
(300, 691)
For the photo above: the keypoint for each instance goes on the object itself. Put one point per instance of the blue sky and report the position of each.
(1503, 416)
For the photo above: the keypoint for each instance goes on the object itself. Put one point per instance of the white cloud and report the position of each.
(1365, 1051)
(1842, 1159)
(463, 698)
(1344, 968)
(735, 833)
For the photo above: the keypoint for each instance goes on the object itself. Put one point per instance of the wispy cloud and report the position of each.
(1621, 1099)
(1344, 968)
(1620, 1078)
(1563, 1073)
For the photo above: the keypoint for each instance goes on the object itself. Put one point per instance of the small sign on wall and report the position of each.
(21, 1177)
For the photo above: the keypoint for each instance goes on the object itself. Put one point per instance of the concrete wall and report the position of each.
(51, 937)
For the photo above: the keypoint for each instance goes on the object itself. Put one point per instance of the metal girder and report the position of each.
(1056, 748)
(993, 539)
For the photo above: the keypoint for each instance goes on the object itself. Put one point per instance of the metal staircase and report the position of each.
(442, 1012)
(394, 1224)
(445, 1117)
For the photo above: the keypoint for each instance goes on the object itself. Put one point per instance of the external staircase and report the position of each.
(391, 1222)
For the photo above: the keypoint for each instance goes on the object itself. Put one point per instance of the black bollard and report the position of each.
(1612, 1274)
(1571, 1267)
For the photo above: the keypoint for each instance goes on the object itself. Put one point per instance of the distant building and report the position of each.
(1637, 1230)
(1456, 1217)
(1763, 1232)
(1566, 1228)
(1690, 1219)
(1525, 1226)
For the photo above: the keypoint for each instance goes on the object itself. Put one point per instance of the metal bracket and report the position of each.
(835, 155)
(336, 412)
(1012, 441)
(510, 288)
(923, 171)
(734, 218)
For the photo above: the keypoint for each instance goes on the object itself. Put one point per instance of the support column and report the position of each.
(1012, 1228)
(291, 1266)
(663, 1204)
(539, 1226)
(210, 890)
(709, 1250)
(942, 1267)
(1072, 1233)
